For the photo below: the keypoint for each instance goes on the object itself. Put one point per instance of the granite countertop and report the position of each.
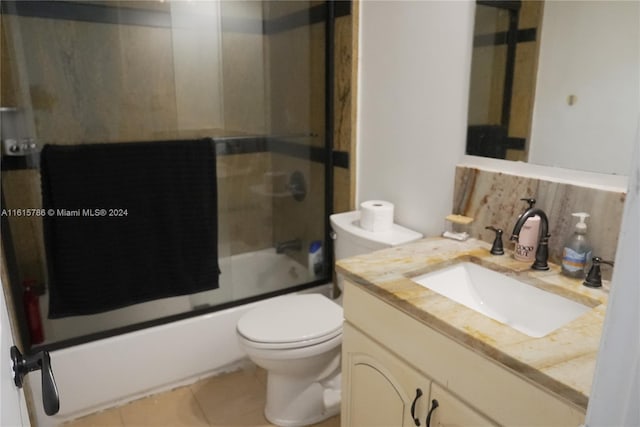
(561, 362)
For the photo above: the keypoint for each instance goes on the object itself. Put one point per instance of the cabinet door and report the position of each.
(379, 389)
(452, 412)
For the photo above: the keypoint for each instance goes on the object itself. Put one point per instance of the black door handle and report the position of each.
(434, 405)
(22, 365)
(413, 407)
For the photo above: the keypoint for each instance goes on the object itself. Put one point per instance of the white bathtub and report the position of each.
(115, 370)
(242, 276)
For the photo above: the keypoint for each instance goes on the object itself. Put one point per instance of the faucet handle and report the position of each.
(594, 277)
(497, 248)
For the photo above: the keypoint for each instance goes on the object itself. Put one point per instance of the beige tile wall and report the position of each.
(245, 212)
(297, 112)
(296, 59)
(132, 96)
(300, 219)
(26, 232)
(344, 109)
(92, 82)
(246, 92)
(8, 93)
(97, 82)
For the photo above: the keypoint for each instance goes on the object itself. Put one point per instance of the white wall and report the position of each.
(616, 385)
(590, 49)
(414, 62)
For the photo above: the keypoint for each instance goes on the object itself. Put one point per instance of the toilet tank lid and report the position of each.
(349, 222)
(292, 318)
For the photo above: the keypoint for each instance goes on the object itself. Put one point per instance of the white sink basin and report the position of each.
(525, 308)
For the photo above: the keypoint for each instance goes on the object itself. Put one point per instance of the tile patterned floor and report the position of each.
(229, 400)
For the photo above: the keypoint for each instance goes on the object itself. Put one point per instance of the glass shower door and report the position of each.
(249, 75)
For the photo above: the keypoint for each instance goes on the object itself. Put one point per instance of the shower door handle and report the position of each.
(22, 365)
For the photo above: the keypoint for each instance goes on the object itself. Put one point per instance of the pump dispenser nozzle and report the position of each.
(581, 225)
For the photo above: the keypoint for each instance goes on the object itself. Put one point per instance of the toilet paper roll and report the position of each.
(376, 215)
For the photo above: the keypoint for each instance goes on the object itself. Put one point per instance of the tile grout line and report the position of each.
(202, 411)
(122, 422)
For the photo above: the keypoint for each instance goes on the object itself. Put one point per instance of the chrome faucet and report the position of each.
(542, 253)
(293, 245)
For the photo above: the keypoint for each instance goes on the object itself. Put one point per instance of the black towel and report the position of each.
(128, 223)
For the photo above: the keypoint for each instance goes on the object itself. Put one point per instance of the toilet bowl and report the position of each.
(296, 339)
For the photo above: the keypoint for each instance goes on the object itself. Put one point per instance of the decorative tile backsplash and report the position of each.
(493, 198)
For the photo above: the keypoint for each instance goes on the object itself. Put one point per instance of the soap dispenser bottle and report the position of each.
(576, 254)
(527, 243)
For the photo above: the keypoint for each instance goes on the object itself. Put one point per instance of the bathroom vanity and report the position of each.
(406, 346)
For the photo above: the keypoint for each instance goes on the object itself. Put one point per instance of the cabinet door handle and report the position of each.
(413, 407)
(434, 405)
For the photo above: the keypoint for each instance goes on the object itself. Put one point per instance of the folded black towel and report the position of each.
(128, 223)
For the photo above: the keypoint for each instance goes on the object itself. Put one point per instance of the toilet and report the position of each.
(296, 338)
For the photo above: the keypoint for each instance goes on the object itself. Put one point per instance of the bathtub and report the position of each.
(113, 371)
(258, 273)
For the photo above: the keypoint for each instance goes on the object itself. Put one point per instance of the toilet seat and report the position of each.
(292, 321)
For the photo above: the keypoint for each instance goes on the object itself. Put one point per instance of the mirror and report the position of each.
(556, 83)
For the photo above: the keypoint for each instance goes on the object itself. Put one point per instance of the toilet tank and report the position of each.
(351, 240)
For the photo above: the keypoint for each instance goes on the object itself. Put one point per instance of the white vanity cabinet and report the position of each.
(382, 390)
(387, 355)
(451, 411)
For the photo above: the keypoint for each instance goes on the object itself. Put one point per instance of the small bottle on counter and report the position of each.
(576, 254)
(315, 261)
(527, 243)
